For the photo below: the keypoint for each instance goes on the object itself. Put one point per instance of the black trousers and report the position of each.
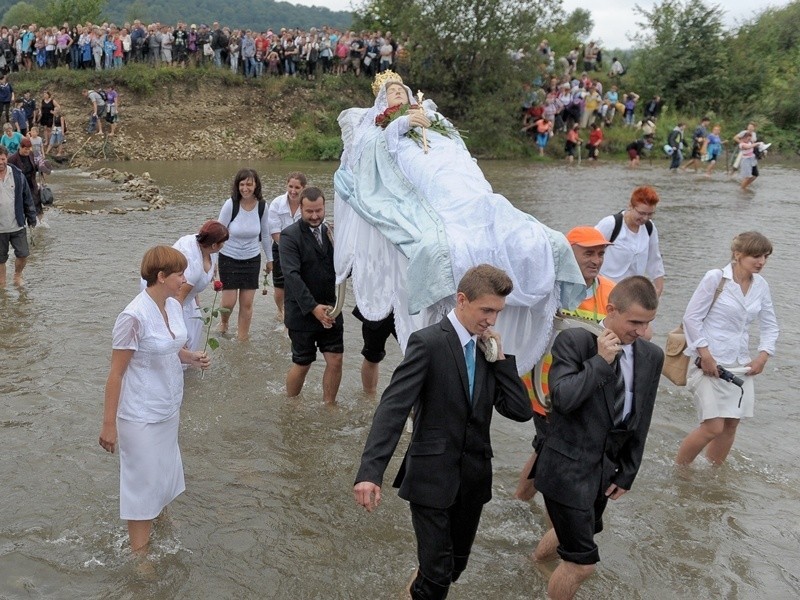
(444, 541)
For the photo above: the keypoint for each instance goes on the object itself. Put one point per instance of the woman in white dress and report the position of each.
(201, 252)
(410, 221)
(144, 392)
(717, 334)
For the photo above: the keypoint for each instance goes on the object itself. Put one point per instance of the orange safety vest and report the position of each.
(592, 308)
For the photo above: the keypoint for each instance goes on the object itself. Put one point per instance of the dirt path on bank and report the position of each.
(177, 123)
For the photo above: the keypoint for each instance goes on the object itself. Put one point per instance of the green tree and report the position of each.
(22, 13)
(74, 11)
(681, 54)
(461, 46)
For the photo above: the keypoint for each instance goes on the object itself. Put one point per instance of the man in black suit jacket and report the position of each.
(446, 474)
(603, 390)
(306, 252)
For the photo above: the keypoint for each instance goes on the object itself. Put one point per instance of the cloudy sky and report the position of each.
(614, 20)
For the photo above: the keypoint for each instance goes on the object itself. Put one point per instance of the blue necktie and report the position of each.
(469, 355)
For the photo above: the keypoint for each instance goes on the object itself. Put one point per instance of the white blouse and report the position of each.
(724, 328)
(280, 214)
(631, 253)
(152, 387)
(244, 230)
(195, 272)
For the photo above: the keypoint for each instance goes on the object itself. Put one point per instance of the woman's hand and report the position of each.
(756, 366)
(108, 437)
(268, 267)
(708, 364)
(201, 360)
(417, 118)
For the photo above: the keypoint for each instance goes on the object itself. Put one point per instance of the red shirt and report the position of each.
(596, 136)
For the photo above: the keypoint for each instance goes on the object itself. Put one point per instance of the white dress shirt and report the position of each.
(464, 336)
(724, 328)
(626, 366)
(280, 214)
(631, 253)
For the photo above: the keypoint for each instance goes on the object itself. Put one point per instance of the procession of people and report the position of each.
(471, 287)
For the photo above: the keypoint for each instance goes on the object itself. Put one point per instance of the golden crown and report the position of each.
(382, 78)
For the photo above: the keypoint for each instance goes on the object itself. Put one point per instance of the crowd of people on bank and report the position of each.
(253, 53)
(564, 100)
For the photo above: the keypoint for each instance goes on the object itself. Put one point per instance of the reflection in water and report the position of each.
(268, 511)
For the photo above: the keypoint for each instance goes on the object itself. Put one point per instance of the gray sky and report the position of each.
(614, 20)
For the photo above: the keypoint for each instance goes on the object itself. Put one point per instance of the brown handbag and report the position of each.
(676, 363)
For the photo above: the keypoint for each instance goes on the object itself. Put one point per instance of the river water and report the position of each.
(268, 511)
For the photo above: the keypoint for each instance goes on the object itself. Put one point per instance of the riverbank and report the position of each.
(206, 113)
(177, 114)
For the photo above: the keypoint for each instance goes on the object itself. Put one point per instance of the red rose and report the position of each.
(217, 286)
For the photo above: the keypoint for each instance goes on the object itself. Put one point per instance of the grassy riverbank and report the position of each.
(205, 113)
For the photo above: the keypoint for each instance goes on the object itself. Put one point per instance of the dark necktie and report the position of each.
(619, 391)
(318, 235)
(469, 356)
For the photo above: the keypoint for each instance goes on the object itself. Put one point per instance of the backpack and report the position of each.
(618, 227)
(262, 205)
(102, 94)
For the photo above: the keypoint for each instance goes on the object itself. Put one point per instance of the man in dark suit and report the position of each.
(603, 389)
(446, 474)
(306, 252)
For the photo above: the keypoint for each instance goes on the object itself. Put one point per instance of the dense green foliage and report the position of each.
(256, 14)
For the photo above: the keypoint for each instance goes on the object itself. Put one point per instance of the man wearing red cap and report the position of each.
(589, 248)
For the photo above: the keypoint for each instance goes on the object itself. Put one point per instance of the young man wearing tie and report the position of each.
(446, 474)
(603, 390)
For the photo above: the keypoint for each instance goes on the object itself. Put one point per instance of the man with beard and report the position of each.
(306, 251)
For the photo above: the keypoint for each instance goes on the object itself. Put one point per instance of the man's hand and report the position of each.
(614, 492)
(367, 494)
(268, 267)
(608, 345)
(491, 334)
(321, 313)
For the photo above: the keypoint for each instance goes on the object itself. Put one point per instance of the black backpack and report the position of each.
(262, 206)
(618, 226)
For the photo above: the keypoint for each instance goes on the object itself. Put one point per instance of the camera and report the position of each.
(725, 375)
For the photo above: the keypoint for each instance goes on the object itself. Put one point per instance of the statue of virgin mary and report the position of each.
(413, 212)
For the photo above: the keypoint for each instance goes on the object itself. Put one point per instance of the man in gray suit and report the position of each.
(603, 389)
(446, 474)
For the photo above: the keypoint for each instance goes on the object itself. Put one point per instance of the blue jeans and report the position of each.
(249, 67)
(218, 58)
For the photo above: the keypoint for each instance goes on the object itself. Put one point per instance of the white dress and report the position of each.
(459, 222)
(198, 278)
(151, 470)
